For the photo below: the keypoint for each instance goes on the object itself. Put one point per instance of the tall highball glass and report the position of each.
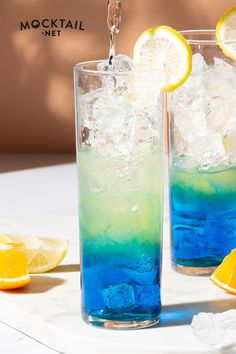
(120, 170)
(202, 115)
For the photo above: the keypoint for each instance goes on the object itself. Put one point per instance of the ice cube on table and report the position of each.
(216, 330)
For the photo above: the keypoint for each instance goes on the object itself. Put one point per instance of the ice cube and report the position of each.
(227, 70)
(145, 264)
(117, 74)
(118, 296)
(103, 65)
(113, 122)
(144, 271)
(207, 150)
(145, 86)
(204, 114)
(108, 119)
(219, 114)
(217, 82)
(220, 80)
(198, 64)
(192, 125)
(229, 141)
(192, 94)
(123, 63)
(120, 63)
(147, 295)
(217, 330)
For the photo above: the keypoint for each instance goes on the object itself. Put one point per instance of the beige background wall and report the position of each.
(36, 84)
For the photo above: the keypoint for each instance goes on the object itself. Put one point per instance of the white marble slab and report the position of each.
(38, 202)
(49, 308)
(13, 342)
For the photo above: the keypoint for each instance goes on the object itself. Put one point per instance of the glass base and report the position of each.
(122, 325)
(194, 271)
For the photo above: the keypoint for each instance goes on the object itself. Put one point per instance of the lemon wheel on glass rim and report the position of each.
(165, 51)
(226, 33)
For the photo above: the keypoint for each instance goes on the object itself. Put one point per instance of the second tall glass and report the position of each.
(202, 114)
(120, 163)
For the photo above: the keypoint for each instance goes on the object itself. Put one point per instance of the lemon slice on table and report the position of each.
(226, 33)
(165, 51)
(43, 254)
(4, 238)
(225, 275)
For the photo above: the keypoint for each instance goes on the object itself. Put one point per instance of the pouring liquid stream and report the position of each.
(113, 23)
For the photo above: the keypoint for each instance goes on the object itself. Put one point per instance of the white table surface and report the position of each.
(44, 200)
(32, 186)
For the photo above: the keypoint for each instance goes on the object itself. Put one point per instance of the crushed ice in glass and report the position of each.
(204, 111)
(123, 111)
(121, 63)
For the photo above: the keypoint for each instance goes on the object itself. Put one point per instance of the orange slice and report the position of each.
(43, 254)
(225, 275)
(13, 266)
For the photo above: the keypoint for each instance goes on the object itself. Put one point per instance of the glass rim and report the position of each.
(200, 41)
(83, 67)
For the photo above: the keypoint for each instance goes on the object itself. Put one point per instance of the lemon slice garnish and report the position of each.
(164, 50)
(226, 33)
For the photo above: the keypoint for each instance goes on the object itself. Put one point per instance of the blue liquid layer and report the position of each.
(203, 217)
(120, 282)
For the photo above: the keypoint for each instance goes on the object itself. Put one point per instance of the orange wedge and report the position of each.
(225, 275)
(13, 266)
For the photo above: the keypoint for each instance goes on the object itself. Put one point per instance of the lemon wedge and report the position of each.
(226, 33)
(43, 254)
(165, 51)
(4, 238)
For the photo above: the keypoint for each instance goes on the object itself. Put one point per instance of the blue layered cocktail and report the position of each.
(203, 216)
(120, 231)
(203, 159)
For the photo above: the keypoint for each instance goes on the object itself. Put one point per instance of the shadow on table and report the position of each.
(66, 268)
(182, 314)
(38, 285)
